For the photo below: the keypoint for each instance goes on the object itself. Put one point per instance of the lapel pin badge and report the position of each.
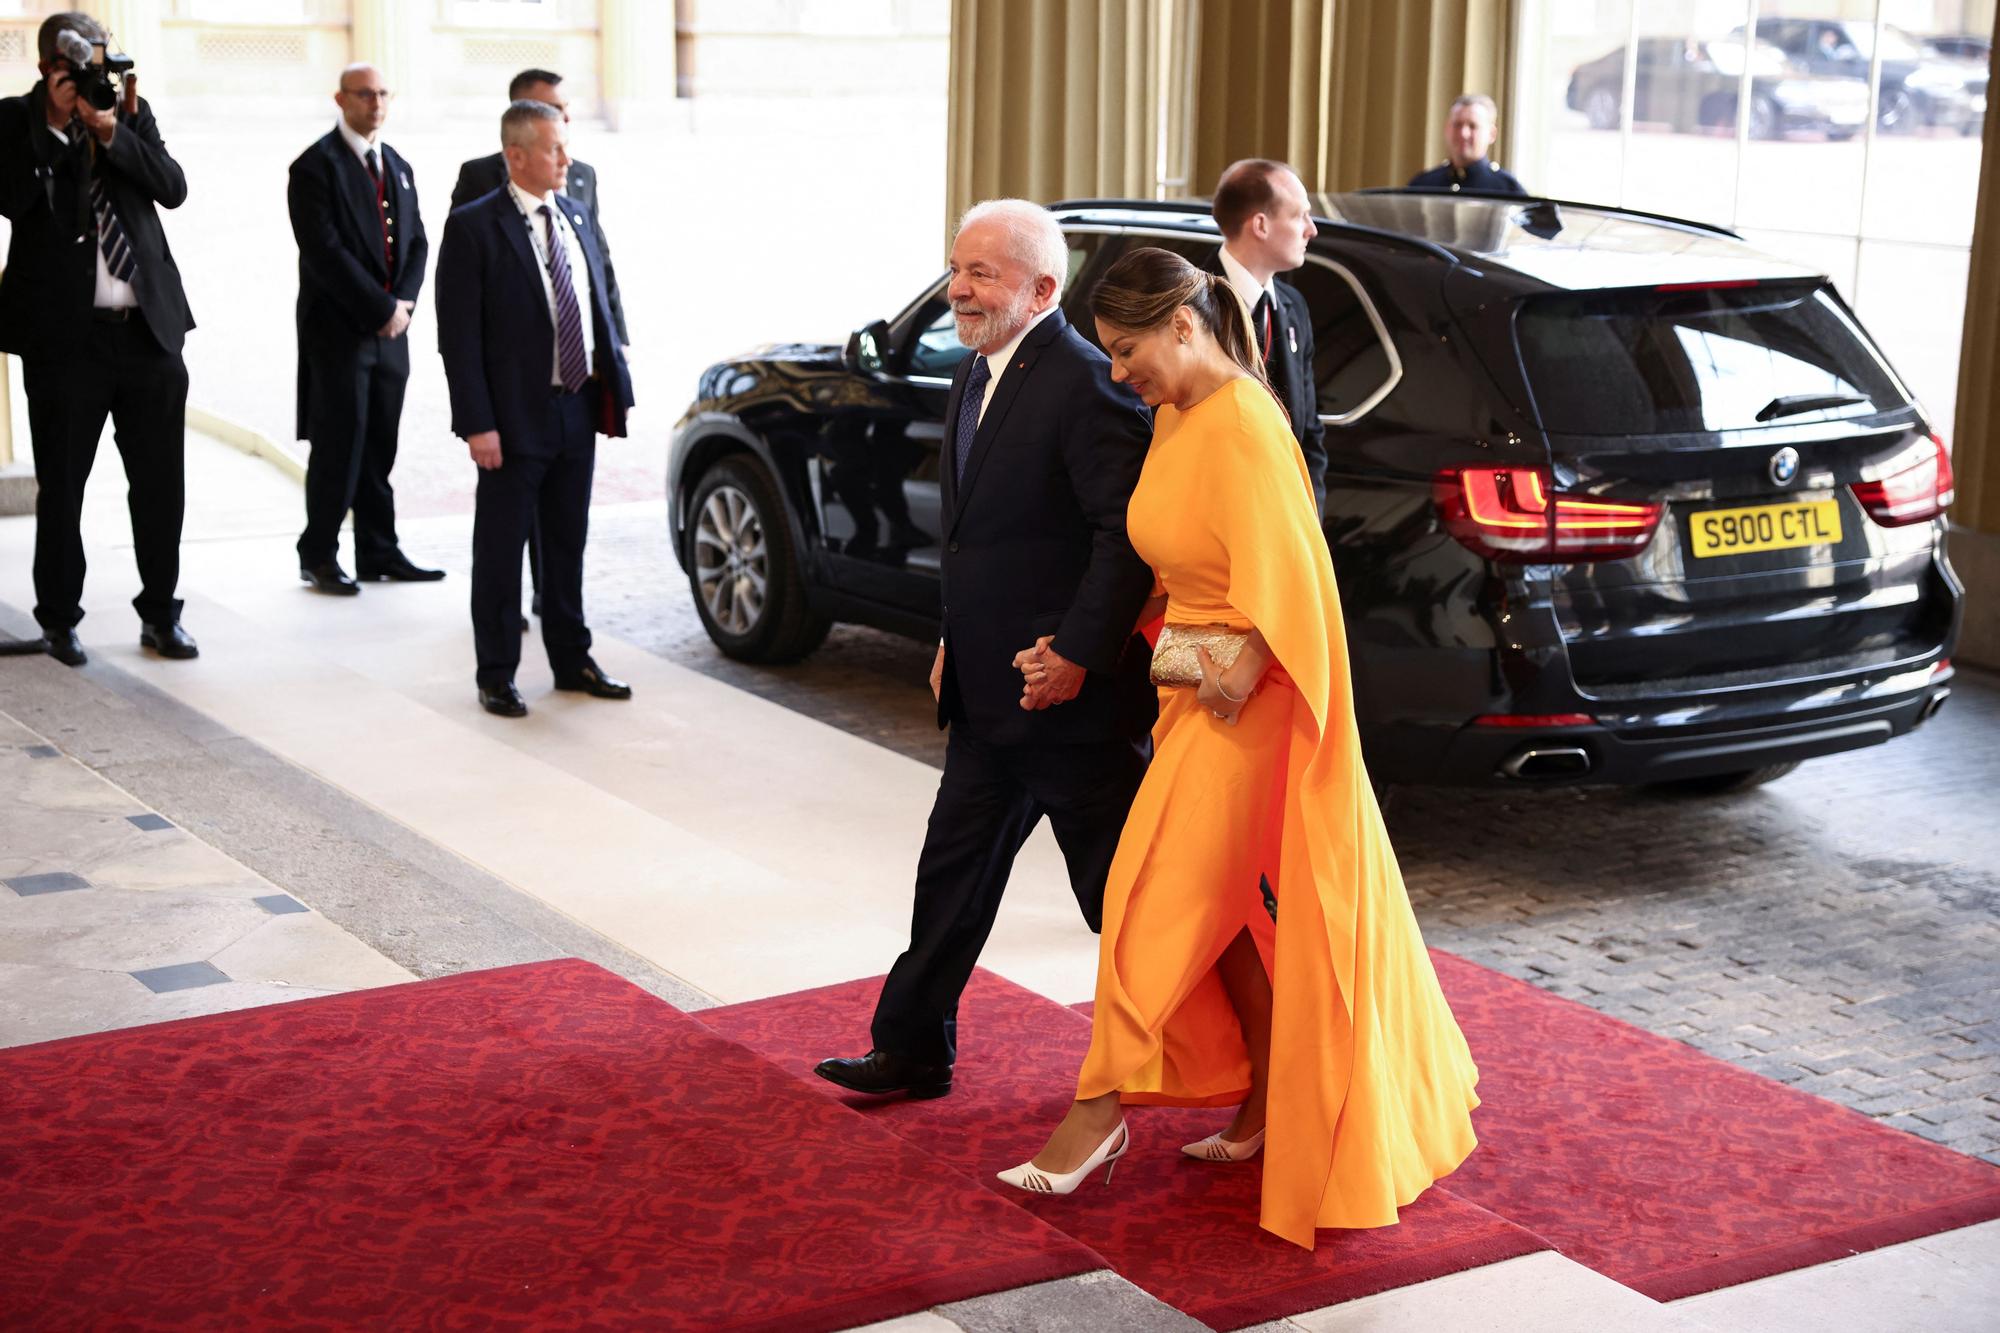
(1292, 336)
(406, 179)
(577, 218)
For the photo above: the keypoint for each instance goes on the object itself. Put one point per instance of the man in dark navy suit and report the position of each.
(92, 303)
(1266, 222)
(1040, 455)
(536, 374)
(1469, 131)
(362, 249)
(483, 174)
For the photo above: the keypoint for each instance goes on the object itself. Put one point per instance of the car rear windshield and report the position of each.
(1659, 362)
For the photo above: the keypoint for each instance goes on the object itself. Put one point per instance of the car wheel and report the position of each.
(1600, 108)
(1894, 111)
(1721, 784)
(1766, 121)
(745, 575)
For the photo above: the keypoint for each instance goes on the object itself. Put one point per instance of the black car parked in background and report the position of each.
(1920, 84)
(1688, 84)
(1611, 498)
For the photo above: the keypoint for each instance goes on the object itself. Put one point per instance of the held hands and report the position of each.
(1214, 696)
(485, 448)
(398, 322)
(1047, 677)
(103, 124)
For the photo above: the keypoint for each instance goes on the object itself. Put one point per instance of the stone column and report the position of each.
(390, 35)
(635, 61)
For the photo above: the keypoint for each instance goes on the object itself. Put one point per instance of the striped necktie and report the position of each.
(118, 257)
(570, 357)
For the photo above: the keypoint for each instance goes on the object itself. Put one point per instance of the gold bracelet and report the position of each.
(1223, 690)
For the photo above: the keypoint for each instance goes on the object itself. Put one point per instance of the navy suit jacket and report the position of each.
(347, 287)
(481, 174)
(1034, 544)
(494, 328)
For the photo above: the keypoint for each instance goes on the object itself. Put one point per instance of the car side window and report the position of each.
(1350, 362)
(935, 350)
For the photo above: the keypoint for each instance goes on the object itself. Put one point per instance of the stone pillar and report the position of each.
(636, 61)
(1975, 454)
(17, 479)
(387, 35)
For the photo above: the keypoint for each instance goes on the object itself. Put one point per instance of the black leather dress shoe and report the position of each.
(503, 700)
(329, 577)
(66, 648)
(879, 1072)
(591, 680)
(396, 569)
(168, 641)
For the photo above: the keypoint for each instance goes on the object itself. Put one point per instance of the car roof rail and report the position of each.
(1200, 207)
(1712, 228)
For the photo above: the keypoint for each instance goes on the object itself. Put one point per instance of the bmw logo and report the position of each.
(1784, 465)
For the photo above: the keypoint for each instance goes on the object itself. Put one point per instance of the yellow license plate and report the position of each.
(1765, 528)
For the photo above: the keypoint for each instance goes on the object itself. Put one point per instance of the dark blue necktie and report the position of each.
(969, 404)
(118, 257)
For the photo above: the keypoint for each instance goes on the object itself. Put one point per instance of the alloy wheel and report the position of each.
(732, 565)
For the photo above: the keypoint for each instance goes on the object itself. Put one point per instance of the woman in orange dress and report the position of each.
(1321, 1023)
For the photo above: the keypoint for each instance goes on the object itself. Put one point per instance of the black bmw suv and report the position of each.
(1612, 498)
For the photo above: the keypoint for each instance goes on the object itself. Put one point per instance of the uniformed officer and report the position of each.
(1468, 136)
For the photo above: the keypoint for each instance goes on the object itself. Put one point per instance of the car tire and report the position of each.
(1896, 111)
(743, 569)
(1766, 120)
(1600, 108)
(1723, 784)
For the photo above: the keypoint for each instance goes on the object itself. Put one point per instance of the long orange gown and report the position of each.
(1371, 1086)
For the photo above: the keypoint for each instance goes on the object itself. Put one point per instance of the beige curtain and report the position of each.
(1055, 98)
(1351, 92)
(1051, 99)
(1978, 420)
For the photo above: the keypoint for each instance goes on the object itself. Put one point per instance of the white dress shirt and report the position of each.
(579, 271)
(112, 293)
(996, 365)
(362, 147)
(1247, 287)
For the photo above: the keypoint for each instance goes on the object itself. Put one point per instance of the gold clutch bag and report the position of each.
(1174, 660)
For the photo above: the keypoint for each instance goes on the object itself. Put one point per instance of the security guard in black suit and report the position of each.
(535, 376)
(1469, 133)
(362, 249)
(483, 175)
(92, 303)
(1266, 222)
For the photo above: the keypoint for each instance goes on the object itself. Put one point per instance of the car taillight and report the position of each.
(1513, 513)
(1916, 494)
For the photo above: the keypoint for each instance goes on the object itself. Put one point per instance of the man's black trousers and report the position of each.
(354, 404)
(989, 800)
(550, 487)
(121, 372)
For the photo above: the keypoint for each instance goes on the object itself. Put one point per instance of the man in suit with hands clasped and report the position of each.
(536, 374)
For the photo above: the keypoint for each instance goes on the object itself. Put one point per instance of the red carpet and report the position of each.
(530, 1148)
(1184, 1230)
(1675, 1172)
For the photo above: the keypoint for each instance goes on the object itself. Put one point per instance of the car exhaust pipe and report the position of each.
(1558, 761)
(1932, 705)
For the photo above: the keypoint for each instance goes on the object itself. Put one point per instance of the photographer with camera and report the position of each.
(92, 303)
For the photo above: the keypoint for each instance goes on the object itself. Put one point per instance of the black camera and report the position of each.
(98, 82)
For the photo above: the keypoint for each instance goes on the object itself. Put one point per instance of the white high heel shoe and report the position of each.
(1215, 1148)
(1027, 1176)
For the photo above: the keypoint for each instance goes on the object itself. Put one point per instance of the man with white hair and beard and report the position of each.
(1039, 675)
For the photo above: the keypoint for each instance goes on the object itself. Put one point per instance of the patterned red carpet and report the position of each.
(1183, 1230)
(1675, 1172)
(534, 1147)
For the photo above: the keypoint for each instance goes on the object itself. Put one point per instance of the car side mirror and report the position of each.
(866, 351)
